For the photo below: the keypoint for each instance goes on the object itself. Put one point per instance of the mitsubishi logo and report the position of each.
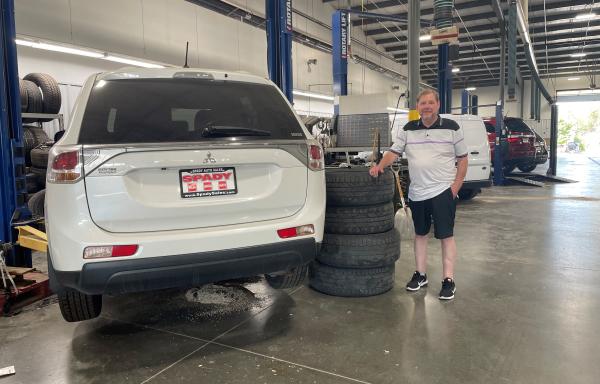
(209, 158)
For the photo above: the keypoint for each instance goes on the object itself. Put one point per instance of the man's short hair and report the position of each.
(429, 92)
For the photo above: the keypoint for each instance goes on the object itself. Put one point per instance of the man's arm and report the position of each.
(388, 158)
(461, 172)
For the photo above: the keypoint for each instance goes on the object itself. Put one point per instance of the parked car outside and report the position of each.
(178, 177)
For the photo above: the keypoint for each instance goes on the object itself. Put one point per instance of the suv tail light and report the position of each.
(296, 231)
(109, 251)
(65, 165)
(315, 158)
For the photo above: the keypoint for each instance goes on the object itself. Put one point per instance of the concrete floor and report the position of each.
(526, 310)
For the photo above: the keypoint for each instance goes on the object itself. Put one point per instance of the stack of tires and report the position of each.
(40, 93)
(360, 245)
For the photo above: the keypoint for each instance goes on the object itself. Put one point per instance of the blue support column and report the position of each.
(474, 105)
(279, 44)
(12, 164)
(444, 79)
(464, 102)
(498, 158)
(340, 38)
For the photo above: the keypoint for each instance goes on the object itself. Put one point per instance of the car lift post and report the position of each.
(279, 45)
(12, 160)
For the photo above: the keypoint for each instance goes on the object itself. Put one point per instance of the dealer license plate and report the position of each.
(202, 182)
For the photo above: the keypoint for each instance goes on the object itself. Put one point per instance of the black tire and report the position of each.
(34, 100)
(361, 220)
(77, 306)
(36, 203)
(23, 94)
(354, 186)
(290, 279)
(51, 98)
(508, 169)
(40, 176)
(360, 251)
(351, 282)
(31, 183)
(527, 167)
(39, 157)
(468, 194)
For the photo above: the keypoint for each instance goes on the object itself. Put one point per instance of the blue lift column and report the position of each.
(279, 45)
(444, 72)
(340, 21)
(12, 160)
(464, 102)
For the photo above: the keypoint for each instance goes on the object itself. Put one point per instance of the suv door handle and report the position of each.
(475, 153)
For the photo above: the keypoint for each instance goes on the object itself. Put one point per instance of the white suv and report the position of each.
(178, 177)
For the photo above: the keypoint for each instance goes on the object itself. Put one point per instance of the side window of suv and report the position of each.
(489, 127)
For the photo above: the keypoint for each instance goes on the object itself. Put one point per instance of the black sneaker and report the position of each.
(448, 289)
(417, 282)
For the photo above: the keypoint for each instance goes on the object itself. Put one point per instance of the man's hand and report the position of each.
(454, 188)
(376, 170)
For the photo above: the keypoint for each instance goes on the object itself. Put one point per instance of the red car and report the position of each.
(519, 149)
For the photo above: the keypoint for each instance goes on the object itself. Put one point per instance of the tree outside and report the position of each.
(579, 127)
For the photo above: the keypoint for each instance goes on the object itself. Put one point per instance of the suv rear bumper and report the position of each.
(145, 274)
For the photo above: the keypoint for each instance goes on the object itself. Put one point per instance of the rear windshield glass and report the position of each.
(489, 127)
(175, 110)
(516, 125)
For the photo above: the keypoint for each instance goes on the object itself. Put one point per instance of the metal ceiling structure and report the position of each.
(556, 32)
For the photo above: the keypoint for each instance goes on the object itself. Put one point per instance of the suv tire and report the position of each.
(355, 186)
(360, 220)
(527, 167)
(360, 251)
(77, 306)
(289, 279)
(468, 194)
(348, 282)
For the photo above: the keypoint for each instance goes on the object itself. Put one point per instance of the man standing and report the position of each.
(437, 164)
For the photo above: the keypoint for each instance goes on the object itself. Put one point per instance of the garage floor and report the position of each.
(526, 311)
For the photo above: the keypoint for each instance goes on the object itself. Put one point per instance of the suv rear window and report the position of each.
(176, 110)
(517, 125)
(489, 127)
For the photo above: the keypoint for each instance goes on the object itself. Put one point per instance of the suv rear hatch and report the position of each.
(172, 154)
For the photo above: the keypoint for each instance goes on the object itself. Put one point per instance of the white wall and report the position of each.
(157, 30)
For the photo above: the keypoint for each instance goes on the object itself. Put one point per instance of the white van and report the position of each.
(478, 174)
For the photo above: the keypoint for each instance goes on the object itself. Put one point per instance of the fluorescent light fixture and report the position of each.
(399, 110)
(579, 54)
(573, 78)
(137, 63)
(424, 38)
(585, 16)
(454, 70)
(59, 48)
(471, 88)
(312, 95)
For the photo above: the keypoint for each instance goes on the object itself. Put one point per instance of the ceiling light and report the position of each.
(58, 48)
(573, 78)
(579, 55)
(424, 37)
(454, 70)
(132, 62)
(471, 88)
(312, 95)
(585, 16)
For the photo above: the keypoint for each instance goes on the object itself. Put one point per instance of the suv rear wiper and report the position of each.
(226, 131)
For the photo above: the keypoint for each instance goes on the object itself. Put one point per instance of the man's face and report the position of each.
(428, 107)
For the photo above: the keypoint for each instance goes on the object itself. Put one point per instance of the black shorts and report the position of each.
(441, 208)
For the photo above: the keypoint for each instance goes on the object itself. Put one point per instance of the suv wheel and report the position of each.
(508, 169)
(527, 167)
(468, 194)
(289, 279)
(77, 306)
